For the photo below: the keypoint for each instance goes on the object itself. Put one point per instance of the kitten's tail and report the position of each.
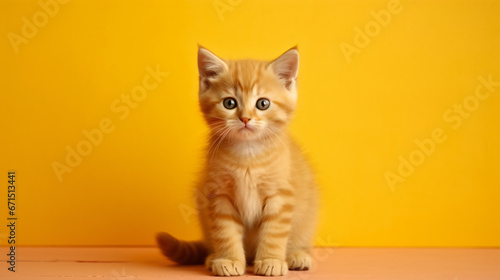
(181, 252)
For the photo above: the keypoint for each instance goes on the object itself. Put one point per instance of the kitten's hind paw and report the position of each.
(299, 260)
(270, 267)
(226, 267)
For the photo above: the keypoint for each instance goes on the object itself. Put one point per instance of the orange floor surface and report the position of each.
(329, 263)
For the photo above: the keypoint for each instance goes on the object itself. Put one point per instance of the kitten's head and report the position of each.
(247, 100)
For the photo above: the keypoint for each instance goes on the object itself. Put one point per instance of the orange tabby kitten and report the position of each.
(259, 199)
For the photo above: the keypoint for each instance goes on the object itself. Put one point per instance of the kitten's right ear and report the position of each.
(209, 65)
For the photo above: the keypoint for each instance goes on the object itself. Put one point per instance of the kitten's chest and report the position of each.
(248, 200)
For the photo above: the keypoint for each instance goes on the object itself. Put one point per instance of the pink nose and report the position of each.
(245, 120)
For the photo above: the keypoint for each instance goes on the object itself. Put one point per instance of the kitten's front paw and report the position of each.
(299, 260)
(226, 267)
(270, 267)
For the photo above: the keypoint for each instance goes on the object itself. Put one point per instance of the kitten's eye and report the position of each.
(263, 104)
(229, 103)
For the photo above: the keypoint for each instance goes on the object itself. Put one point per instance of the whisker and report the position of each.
(225, 133)
(214, 116)
(218, 121)
(216, 130)
(270, 139)
(213, 143)
(272, 130)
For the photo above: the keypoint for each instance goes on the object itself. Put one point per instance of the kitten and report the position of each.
(259, 199)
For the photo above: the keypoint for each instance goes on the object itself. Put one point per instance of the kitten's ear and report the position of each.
(286, 66)
(209, 65)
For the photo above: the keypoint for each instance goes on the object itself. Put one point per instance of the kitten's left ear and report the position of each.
(286, 66)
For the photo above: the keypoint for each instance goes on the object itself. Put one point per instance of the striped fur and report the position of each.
(257, 198)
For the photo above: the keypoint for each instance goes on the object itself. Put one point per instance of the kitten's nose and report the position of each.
(245, 120)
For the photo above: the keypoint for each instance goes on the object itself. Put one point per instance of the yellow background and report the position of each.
(354, 119)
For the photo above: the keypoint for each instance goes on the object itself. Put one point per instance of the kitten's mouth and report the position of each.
(246, 132)
(246, 128)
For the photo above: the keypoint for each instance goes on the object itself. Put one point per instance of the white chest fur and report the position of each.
(248, 201)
